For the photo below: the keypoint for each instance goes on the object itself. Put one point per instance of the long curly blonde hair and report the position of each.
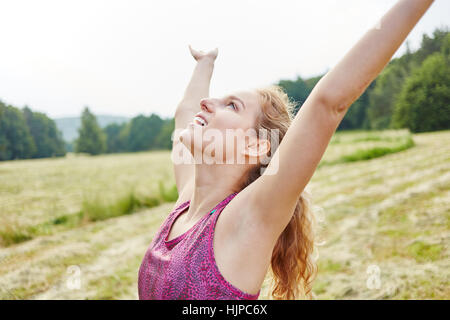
(292, 267)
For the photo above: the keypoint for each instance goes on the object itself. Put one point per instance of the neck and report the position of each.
(212, 184)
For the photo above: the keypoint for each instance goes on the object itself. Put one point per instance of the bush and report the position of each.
(424, 102)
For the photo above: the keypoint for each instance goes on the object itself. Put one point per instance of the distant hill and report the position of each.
(69, 126)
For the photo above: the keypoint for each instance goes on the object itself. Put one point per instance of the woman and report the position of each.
(233, 220)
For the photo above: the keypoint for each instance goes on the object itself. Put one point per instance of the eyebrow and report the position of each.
(236, 98)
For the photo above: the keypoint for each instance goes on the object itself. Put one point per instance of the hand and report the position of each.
(198, 54)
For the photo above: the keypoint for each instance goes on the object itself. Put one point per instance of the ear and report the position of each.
(256, 148)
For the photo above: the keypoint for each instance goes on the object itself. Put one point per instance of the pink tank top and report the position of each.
(185, 267)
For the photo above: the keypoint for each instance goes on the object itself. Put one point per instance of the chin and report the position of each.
(188, 135)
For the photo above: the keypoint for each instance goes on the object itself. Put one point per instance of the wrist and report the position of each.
(206, 60)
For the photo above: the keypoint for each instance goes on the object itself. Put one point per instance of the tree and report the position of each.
(143, 132)
(164, 138)
(382, 97)
(300, 89)
(430, 45)
(47, 139)
(115, 141)
(356, 116)
(389, 84)
(91, 138)
(15, 138)
(424, 102)
(297, 90)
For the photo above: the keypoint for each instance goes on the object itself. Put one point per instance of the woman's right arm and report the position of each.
(197, 89)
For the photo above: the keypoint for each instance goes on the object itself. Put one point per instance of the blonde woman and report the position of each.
(233, 220)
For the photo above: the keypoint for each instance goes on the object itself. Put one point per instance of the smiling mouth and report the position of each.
(200, 121)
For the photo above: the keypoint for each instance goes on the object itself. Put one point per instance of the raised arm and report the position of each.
(197, 89)
(305, 142)
(342, 85)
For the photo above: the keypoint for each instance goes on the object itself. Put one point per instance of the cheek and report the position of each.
(222, 123)
(228, 119)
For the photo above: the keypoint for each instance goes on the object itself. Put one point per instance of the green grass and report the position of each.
(96, 209)
(366, 153)
(376, 152)
(33, 192)
(329, 265)
(432, 286)
(113, 286)
(423, 252)
(320, 286)
(11, 235)
(168, 195)
(399, 233)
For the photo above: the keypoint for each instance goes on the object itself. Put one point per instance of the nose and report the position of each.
(207, 105)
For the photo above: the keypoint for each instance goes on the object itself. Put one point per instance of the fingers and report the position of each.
(192, 51)
(200, 53)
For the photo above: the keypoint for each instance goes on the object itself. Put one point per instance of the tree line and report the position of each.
(25, 134)
(141, 133)
(413, 91)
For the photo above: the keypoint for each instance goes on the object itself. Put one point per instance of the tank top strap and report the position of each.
(176, 212)
(221, 205)
(182, 206)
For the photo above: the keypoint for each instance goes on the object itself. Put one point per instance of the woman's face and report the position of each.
(223, 126)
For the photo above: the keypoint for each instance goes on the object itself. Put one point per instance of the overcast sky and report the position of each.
(130, 57)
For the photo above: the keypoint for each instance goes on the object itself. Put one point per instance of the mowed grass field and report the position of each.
(384, 198)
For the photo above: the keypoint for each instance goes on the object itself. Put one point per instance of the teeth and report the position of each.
(200, 121)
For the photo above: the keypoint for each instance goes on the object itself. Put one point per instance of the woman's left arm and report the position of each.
(359, 67)
(273, 196)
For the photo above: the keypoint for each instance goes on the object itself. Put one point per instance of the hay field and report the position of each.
(385, 201)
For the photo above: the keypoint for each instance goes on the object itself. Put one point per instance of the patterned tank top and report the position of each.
(185, 267)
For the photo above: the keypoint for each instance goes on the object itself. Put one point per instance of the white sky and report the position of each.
(130, 57)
